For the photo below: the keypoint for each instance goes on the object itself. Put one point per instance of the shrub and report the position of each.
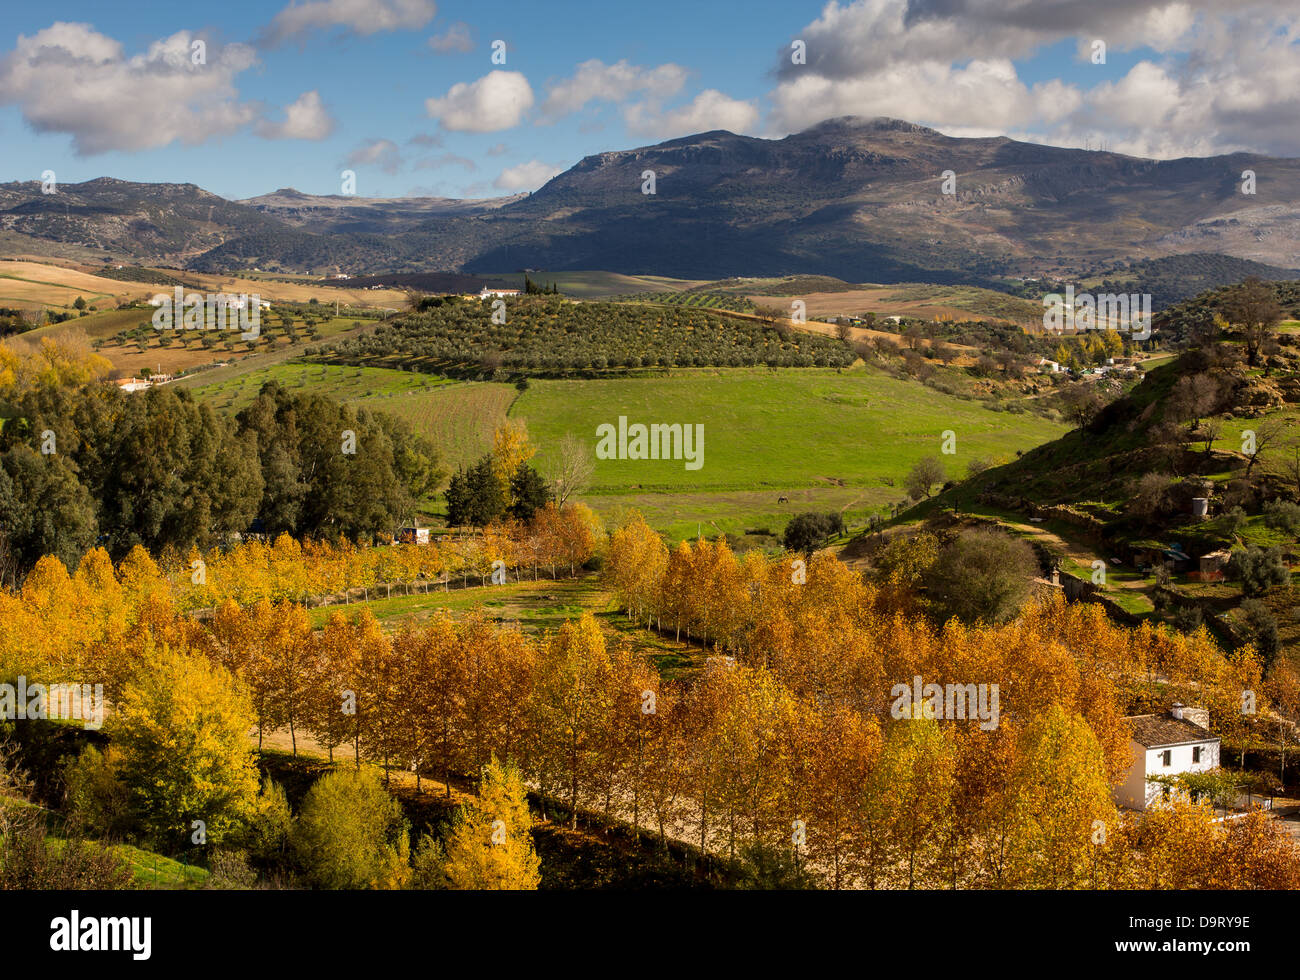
(95, 800)
(268, 826)
(982, 575)
(1282, 515)
(1233, 521)
(807, 532)
(351, 833)
(1259, 569)
(1261, 630)
(1188, 619)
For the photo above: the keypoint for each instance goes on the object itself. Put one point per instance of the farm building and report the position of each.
(413, 535)
(1166, 745)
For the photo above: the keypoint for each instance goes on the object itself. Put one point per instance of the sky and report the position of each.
(491, 97)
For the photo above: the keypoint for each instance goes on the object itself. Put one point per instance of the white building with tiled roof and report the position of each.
(1166, 745)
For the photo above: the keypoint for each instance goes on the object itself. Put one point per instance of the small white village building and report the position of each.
(1166, 745)
(484, 293)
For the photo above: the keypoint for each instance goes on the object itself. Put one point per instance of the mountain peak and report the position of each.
(880, 124)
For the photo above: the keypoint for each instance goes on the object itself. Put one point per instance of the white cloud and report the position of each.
(69, 78)
(455, 38)
(526, 176)
(306, 118)
(709, 110)
(594, 80)
(1220, 76)
(383, 154)
(496, 101)
(364, 17)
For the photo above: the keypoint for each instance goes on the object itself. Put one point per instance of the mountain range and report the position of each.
(854, 198)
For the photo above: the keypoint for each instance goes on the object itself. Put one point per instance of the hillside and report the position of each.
(855, 199)
(122, 218)
(1117, 494)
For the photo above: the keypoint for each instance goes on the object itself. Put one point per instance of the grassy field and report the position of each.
(57, 283)
(359, 385)
(155, 871)
(32, 285)
(536, 607)
(459, 418)
(777, 429)
(828, 440)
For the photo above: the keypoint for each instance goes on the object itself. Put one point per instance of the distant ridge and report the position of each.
(855, 198)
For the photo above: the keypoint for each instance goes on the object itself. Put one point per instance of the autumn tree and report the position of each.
(182, 727)
(490, 845)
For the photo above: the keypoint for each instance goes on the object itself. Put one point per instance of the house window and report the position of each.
(1167, 758)
(1196, 754)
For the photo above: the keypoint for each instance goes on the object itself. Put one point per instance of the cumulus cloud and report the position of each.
(363, 17)
(69, 78)
(383, 154)
(456, 38)
(1216, 75)
(304, 119)
(709, 110)
(496, 101)
(526, 176)
(596, 81)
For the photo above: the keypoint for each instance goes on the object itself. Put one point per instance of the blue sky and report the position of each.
(91, 101)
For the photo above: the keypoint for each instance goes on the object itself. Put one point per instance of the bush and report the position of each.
(95, 800)
(1188, 619)
(230, 869)
(1282, 515)
(31, 860)
(1233, 521)
(807, 532)
(905, 560)
(268, 827)
(981, 576)
(1261, 630)
(1259, 569)
(351, 833)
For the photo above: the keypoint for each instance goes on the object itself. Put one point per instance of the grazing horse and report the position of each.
(783, 499)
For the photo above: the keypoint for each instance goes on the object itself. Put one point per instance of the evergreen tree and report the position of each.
(528, 492)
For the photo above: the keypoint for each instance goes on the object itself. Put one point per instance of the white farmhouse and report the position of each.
(1166, 745)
